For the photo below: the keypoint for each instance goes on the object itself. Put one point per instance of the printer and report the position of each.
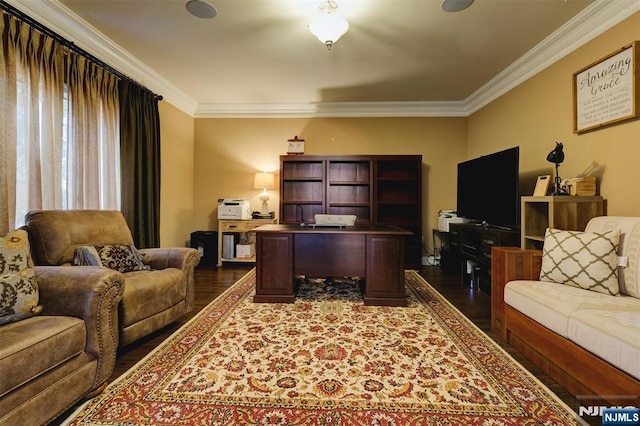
(233, 208)
(447, 217)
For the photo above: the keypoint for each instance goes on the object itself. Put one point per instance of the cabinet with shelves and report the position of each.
(349, 189)
(302, 192)
(377, 189)
(475, 243)
(398, 199)
(561, 212)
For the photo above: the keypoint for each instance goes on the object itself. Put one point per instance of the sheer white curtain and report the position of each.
(92, 149)
(60, 127)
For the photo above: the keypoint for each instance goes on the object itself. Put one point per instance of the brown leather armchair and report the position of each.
(51, 361)
(152, 298)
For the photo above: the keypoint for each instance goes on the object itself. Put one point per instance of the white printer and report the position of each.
(447, 217)
(233, 208)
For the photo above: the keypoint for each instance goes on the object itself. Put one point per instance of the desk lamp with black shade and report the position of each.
(557, 156)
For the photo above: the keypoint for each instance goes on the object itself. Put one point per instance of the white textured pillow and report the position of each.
(581, 259)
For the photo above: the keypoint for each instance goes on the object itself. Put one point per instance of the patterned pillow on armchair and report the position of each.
(121, 258)
(19, 293)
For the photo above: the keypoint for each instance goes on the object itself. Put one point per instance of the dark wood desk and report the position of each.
(373, 252)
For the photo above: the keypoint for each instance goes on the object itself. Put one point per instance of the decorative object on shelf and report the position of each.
(582, 186)
(557, 156)
(606, 91)
(295, 146)
(264, 181)
(542, 186)
(328, 25)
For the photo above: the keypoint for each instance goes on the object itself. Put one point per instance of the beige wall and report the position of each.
(229, 151)
(539, 112)
(207, 159)
(176, 186)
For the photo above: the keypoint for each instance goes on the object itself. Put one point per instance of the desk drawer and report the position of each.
(240, 226)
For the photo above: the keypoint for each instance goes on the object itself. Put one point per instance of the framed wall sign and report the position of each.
(607, 91)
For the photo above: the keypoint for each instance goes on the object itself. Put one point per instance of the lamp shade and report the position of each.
(328, 27)
(557, 155)
(264, 181)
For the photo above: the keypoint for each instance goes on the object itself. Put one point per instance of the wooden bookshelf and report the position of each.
(349, 188)
(560, 212)
(377, 189)
(302, 192)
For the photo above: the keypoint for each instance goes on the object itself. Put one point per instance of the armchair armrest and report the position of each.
(91, 294)
(183, 258)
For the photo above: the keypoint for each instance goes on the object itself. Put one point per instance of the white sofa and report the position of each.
(588, 341)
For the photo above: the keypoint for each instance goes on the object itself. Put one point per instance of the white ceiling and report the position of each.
(257, 57)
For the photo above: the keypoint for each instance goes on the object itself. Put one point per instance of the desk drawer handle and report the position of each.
(233, 226)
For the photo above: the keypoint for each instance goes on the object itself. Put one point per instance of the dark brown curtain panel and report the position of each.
(140, 162)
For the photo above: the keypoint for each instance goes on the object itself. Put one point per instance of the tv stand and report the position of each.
(473, 242)
(504, 228)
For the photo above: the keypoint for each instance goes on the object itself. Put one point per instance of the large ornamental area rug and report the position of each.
(327, 360)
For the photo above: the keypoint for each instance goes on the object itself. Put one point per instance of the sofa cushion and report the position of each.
(611, 330)
(86, 256)
(36, 345)
(548, 303)
(581, 259)
(19, 295)
(148, 292)
(629, 249)
(121, 258)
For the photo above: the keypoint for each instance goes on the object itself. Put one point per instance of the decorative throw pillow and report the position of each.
(121, 258)
(86, 256)
(19, 294)
(581, 259)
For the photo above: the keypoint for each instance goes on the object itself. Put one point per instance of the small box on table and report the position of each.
(245, 250)
(585, 186)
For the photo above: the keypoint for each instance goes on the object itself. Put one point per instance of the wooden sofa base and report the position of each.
(577, 370)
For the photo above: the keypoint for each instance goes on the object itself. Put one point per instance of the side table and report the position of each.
(238, 226)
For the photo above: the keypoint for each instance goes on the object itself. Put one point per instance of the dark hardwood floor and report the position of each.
(212, 281)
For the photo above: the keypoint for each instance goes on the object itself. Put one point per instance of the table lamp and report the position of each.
(557, 156)
(264, 181)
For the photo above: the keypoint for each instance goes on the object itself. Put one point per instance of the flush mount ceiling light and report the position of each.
(201, 9)
(455, 5)
(328, 26)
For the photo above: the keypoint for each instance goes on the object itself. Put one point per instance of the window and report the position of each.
(62, 131)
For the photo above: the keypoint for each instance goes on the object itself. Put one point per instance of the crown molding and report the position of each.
(584, 27)
(591, 22)
(333, 109)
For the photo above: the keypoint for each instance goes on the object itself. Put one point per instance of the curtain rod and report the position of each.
(69, 44)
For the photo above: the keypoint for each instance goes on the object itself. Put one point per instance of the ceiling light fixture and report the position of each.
(201, 9)
(328, 26)
(455, 5)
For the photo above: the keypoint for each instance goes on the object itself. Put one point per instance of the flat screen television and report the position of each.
(489, 189)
